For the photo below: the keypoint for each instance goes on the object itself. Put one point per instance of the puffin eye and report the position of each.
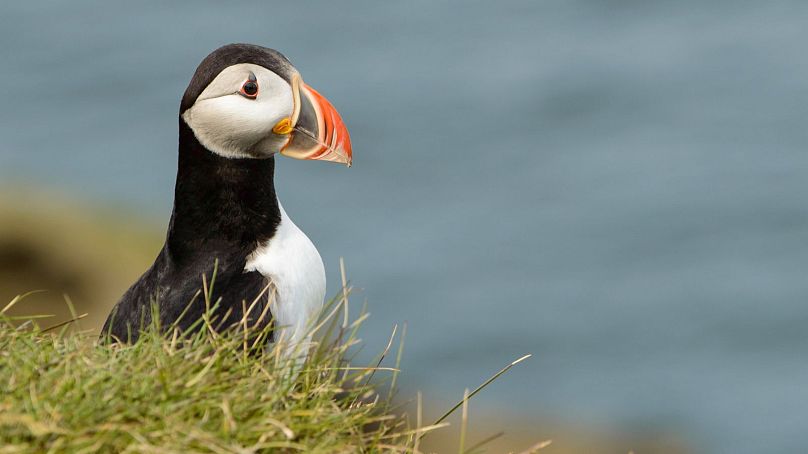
(249, 89)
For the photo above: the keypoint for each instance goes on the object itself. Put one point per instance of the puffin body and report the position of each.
(244, 105)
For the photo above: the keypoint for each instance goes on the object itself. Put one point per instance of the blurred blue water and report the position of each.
(618, 187)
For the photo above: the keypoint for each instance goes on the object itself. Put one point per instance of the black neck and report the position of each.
(223, 208)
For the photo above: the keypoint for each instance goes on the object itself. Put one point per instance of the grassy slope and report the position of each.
(64, 392)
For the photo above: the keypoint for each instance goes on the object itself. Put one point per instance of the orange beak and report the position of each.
(317, 131)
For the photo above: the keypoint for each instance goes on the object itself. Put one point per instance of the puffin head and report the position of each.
(249, 102)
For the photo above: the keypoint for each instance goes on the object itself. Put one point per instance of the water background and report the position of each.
(618, 187)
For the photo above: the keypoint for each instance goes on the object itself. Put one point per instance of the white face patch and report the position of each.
(234, 126)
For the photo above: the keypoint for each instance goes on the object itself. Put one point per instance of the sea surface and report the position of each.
(618, 187)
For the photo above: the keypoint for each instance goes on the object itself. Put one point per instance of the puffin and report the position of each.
(244, 105)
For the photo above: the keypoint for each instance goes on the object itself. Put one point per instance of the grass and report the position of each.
(200, 392)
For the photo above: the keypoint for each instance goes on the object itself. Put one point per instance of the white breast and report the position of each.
(292, 263)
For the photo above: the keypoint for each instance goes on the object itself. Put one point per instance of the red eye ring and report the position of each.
(249, 89)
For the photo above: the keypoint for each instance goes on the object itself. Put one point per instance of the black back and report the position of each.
(223, 210)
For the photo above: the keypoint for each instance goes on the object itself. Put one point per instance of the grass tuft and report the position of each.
(67, 392)
(202, 391)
